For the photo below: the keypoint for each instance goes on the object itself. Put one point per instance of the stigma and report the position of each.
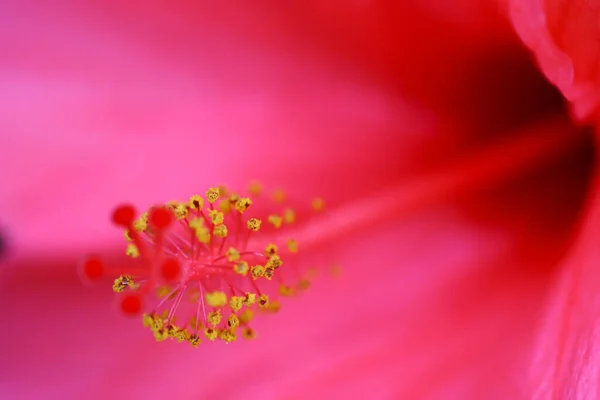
(201, 268)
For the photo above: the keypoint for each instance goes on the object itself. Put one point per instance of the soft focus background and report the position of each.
(436, 101)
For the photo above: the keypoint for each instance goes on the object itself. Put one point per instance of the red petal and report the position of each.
(564, 37)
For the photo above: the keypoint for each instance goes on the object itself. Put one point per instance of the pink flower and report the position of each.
(453, 179)
(564, 39)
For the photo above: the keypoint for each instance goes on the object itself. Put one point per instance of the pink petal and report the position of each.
(564, 38)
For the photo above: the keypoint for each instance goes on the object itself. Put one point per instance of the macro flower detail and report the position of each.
(200, 269)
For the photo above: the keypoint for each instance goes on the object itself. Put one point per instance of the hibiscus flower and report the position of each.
(453, 176)
(563, 37)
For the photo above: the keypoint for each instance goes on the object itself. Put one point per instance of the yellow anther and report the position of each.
(257, 271)
(269, 272)
(148, 320)
(194, 323)
(123, 282)
(196, 202)
(246, 316)
(216, 299)
(223, 190)
(278, 195)
(127, 235)
(214, 318)
(225, 207)
(250, 299)
(163, 291)
(182, 334)
(271, 250)
(132, 251)
(248, 333)
(233, 321)
(255, 188)
(211, 333)
(318, 204)
(202, 233)
(161, 335)
(171, 330)
(233, 254)
(212, 195)
(233, 199)
(180, 210)
(274, 262)
(254, 224)
(243, 204)
(263, 301)
(141, 224)
(220, 231)
(241, 268)
(228, 335)
(274, 307)
(303, 284)
(286, 290)
(236, 303)
(275, 220)
(194, 340)
(289, 216)
(216, 217)
(292, 245)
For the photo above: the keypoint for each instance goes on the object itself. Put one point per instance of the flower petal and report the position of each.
(564, 37)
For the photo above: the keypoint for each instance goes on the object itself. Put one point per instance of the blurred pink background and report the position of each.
(438, 104)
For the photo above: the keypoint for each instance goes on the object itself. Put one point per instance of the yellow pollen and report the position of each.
(225, 207)
(202, 233)
(292, 245)
(212, 195)
(278, 195)
(123, 282)
(246, 316)
(243, 204)
(257, 271)
(274, 262)
(254, 224)
(233, 254)
(214, 318)
(233, 199)
(233, 321)
(147, 320)
(211, 333)
(196, 202)
(236, 303)
(250, 299)
(286, 290)
(127, 236)
(255, 188)
(141, 224)
(132, 251)
(163, 291)
(289, 216)
(248, 333)
(273, 307)
(228, 335)
(241, 268)
(180, 210)
(216, 217)
(216, 299)
(275, 220)
(318, 204)
(223, 190)
(271, 249)
(269, 272)
(194, 340)
(161, 335)
(220, 231)
(263, 301)
(303, 284)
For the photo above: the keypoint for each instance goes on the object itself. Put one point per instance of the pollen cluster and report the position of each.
(201, 268)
